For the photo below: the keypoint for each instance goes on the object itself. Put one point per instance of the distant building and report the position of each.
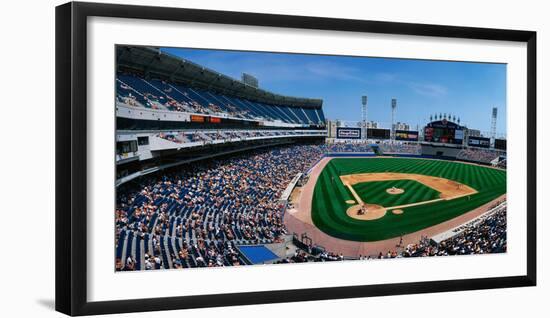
(331, 126)
(250, 80)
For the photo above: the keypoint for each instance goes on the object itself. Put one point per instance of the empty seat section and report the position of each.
(173, 93)
(209, 102)
(218, 100)
(153, 96)
(191, 94)
(240, 103)
(126, 93)
(312, 115)
(276, 112)
(300, 114)
(120, 244)
(290, 114)
(264, 111)
(138, 252)
(321, 115)
(160, 94)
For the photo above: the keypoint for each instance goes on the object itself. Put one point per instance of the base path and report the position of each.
(449, 189)
(298, 220)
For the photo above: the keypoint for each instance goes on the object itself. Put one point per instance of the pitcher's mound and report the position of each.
(395, 190)
(373, 212)
(397, 211)
(350, 201)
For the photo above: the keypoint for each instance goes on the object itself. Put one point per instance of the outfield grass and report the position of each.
(374, 192)
(329, 198)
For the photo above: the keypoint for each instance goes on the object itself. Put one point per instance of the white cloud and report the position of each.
(428, 89)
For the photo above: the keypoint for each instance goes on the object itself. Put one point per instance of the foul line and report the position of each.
(358, 199)
(355, 195)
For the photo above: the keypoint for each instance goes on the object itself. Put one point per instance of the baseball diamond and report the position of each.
(330, 195)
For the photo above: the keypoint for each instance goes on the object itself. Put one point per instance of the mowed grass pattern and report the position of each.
(330, 195)
(374, 192)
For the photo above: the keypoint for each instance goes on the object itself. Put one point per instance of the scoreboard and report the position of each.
(407, 135)
(378, 133)
(500, 144)
(482, 142)
(348, 133)
(444, 131)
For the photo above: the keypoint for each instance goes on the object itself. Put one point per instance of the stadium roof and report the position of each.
(152, 63)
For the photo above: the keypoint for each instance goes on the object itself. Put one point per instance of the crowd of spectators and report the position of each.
(338, 147)
(225, 135)
(197, 215)
(302, 256)
(369, 146)
(479, 154)
(185, 106)
(501, 164)
(202, 210)
(400, 147)
(360, 147)
(481, 236)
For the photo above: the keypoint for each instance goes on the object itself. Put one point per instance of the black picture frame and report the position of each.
(71, 157)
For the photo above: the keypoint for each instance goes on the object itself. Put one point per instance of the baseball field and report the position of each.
(374, 199)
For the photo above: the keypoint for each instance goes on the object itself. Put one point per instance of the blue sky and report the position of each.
(467, 90)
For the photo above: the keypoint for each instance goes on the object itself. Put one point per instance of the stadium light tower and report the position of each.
(493, 126)
(364, 116)
(393, 109)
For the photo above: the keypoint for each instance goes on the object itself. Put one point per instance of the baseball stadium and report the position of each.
(215, 171)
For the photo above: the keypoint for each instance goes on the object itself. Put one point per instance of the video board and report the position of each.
(500, 144)
(482, 142)
(378, 133)
(348, 133)
(459, 135)
(407, 135)
(444, 131)
(444, 135)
